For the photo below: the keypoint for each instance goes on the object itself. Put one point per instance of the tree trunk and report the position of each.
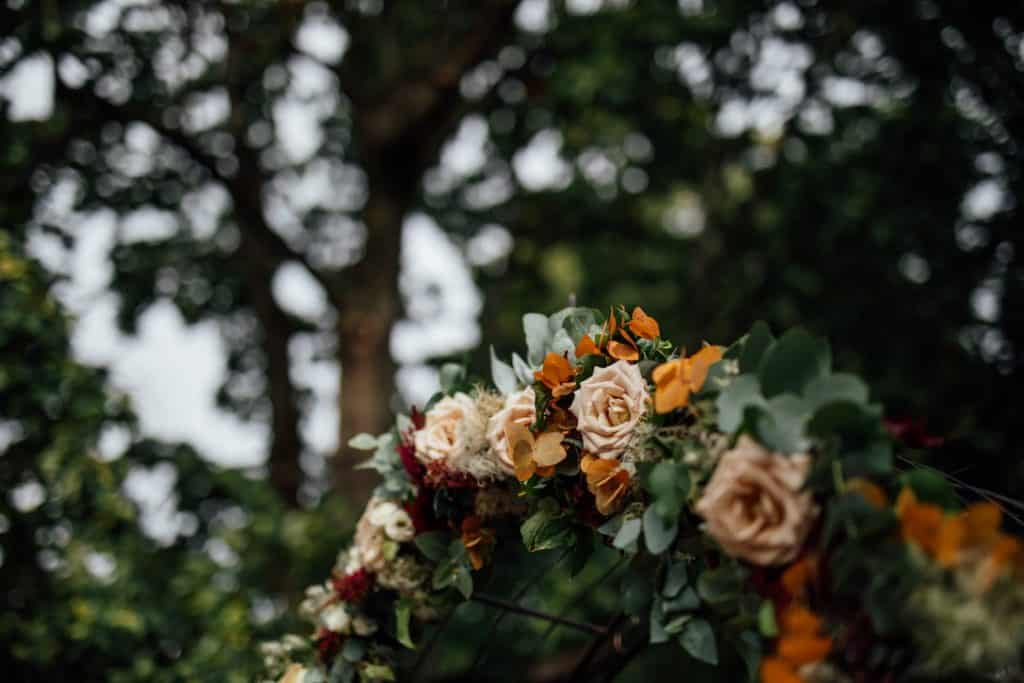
(372, 305)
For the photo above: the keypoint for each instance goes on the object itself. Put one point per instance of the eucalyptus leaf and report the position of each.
(535, 327)
(758, 340)
(698, 639)
(628, 533)
(433, 545)
(834, 388)
(742, 392)
(658, 534)
(451, 376)
(523, 370)
(676, 579)
(363, 442)
(503, 375)
(793, 362)
(657, 633)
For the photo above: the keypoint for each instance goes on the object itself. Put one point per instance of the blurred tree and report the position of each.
(703, 158)
(87, 596)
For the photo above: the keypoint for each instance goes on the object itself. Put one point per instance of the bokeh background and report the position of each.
(234, 233)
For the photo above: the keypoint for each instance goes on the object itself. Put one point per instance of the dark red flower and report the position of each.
(913, 433)
(418, 418)
(420, 509)
(328, 644)
(353, 587)
(439, 476)
(413, 467)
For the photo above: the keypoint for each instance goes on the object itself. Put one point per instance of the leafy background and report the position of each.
(422, 174)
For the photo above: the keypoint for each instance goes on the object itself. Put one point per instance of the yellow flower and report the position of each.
(677, 379)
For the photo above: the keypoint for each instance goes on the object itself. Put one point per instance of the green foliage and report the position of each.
(87, 595)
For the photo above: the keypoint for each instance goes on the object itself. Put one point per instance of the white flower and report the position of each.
(336, 618)
(608, 406)
(520, 408)
(381, 513)
(363, 626)
(399, 527)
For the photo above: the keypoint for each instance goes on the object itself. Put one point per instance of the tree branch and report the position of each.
(515, 608)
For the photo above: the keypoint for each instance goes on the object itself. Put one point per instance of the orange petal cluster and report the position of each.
(800, 642)
(534, 454)
(643, 325)
(677, 379)
(970, 540)
(478, 540)
(557, 374)
(607, 481)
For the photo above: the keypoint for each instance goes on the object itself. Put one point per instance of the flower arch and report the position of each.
(754, 490)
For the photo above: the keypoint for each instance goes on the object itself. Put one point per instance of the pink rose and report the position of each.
(754, 506)
(520, 408)
(608, 406)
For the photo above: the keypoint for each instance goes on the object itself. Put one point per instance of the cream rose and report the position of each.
(454, 429)
(519, 408)
(754, 506)
(382, 525)
(296, 673)
(608, 406)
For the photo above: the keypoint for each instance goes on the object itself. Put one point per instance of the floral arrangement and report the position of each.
(754, 490)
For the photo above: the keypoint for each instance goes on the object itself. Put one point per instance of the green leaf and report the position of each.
(452, 376)
(523, 370)
(782, 423)
(749, 647)
(720, 584)
(793, 362)
(744, 391)
(874, 458)
(363, 442)
(576, 321)
(835, 388)
(403, 615)
(766, 620)
(353, 650)
(612, 526)
(544, 530)
(535, 327)
(676, 579)
(686, 601)
(503, 375)
(658, 534)
(676, 624)
(930, 486)
(341, 671)
(759, 339)
(637, 593)
(628, 533)
(657, 624)
(433, 544)
(698, 639)
(464, 582)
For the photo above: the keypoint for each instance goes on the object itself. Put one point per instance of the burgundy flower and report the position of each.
(353, 587)
(328, 644)
(913, 433)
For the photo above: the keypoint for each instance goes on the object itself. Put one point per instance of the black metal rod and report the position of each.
(514, 608)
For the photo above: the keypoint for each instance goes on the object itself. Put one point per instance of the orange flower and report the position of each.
(534, 454)
(799, 643)
(606, 481)
(643, 325)
(799, 575)
(1005, 552)
(557, 375)
(778, 670)
(869, 491)
(677, 379)
(587, 347)
(478, 541)
(919, 522)
(624, 350)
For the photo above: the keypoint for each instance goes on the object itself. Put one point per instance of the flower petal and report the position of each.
(548, 449)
